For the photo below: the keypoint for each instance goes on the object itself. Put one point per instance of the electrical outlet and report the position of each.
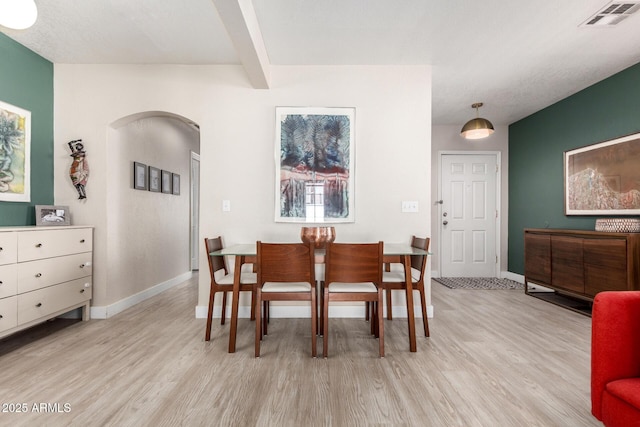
(410, 206)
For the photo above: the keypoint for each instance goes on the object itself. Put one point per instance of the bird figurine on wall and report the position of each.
(79, 171)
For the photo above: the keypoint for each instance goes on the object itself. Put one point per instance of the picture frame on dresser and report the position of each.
(50, 215)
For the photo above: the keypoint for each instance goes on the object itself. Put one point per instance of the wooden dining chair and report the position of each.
(353, 272)
(286, 272)
(222, 281)
(393, 279)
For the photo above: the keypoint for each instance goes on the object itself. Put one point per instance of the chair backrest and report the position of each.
(215, 262)
(354, 262)
(285, 262)
(419, 262)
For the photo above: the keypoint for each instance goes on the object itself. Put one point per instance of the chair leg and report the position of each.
(321, 313)
(258, 324)
(325, 323)
(265, 319)
(224, 308)
(374, 321)
(425, 320)
(253, 305)
(380, 323)
(314, 323)
(367, 307)
(388, 293)
(212, 296)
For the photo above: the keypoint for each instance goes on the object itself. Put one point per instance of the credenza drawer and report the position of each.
(42, 244)
(8, 248)
(8, 313)
(42, 302)
(8, 280)
(34, 275)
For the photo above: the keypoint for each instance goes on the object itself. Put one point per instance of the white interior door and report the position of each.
(468, 215)
(195, 210)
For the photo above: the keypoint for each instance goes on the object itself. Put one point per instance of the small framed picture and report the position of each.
(166, 182)
(52, 215)
(139, 176)
(154, 179)
(176, 184)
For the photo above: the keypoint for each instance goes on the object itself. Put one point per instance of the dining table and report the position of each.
(392, 252)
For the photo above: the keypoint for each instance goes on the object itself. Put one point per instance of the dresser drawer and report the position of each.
(34, 245)
(36, 304)
(8, 248)
(8, 313)
(8, 280)
(34, 275)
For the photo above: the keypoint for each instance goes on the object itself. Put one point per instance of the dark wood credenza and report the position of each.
(579, 264)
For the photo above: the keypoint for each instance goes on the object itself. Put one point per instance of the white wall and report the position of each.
(237, 124)
(148, 240)
(447, 138)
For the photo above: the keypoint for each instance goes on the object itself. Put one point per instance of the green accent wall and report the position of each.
(607, 110)
(26, 81)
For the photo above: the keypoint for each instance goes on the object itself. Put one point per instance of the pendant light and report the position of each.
(18, 14)
(477, 128)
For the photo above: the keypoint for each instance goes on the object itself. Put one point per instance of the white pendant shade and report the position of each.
(18, 14)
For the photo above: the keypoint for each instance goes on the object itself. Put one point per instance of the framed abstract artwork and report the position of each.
(15, 153)
(154, 179)
(176, 184)
(603, 178)
(166, 182)
(139, 176)
(315, 160)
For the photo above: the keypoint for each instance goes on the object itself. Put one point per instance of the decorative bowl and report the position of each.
(320, 235)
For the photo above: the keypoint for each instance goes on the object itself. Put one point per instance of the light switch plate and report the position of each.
(410, 206)
(226, 206)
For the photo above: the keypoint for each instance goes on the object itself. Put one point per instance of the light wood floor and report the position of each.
(495, 358)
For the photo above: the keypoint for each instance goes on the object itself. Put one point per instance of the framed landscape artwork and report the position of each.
(603, 178)
(315, 156)
(15, 157)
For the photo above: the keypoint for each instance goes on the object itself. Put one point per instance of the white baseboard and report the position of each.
(301, 312)
(105, 312)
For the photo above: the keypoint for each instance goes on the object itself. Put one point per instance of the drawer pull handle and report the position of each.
(38, 245)
(82, 241)
(39, 275)
(1, 282)
(1, 249)
(82, 265)
(1, 316)
(39, 304)
(81, 291)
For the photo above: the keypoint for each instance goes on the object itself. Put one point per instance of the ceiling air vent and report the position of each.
(612, 14)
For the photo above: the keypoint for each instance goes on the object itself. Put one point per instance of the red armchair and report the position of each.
(615, 358)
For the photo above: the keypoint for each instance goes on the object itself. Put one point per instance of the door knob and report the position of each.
(445, 222)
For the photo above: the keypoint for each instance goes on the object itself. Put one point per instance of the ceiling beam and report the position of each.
(239, 18)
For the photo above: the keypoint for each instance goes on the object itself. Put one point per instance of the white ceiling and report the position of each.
(516, 56)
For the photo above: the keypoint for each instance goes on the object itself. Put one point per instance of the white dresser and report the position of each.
(44, 272)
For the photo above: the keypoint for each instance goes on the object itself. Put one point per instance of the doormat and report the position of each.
(488, 283)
